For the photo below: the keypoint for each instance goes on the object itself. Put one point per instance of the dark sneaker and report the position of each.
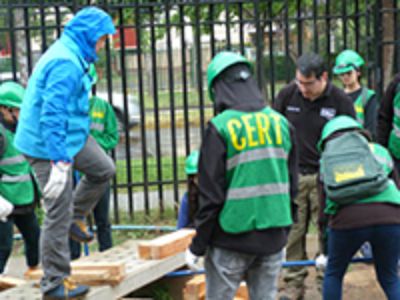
(66, 290)
(79, 232)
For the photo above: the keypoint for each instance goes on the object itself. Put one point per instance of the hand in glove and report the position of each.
(321, 261)
(6, 208)
(192, 260)
(57, 180)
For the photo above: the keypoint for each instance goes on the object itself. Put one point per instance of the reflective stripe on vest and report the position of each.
(258, 191)
(15, 180)
(257, 180)
(12, 160)
(361, 102)
(18, 178)
(257, 154)
(97, 126)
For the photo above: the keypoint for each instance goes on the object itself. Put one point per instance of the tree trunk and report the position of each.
(388, 35)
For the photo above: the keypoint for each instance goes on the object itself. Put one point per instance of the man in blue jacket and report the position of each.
(54, 134)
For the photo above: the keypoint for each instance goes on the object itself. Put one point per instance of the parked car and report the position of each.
(119, 109)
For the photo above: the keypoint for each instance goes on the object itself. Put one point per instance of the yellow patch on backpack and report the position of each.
(346, 175)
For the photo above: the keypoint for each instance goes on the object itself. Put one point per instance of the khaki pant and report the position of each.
(308, 210)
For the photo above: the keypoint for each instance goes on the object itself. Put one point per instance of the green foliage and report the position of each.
(5, 64)
(280, 68)
(160, 292)
(39, 211)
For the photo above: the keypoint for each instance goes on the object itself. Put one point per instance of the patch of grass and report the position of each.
(153, 218)
(166, 165)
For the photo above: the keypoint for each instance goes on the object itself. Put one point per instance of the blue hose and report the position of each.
(286, 264)
(18, 236)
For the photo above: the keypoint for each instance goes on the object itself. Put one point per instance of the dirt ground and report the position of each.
(359, 282)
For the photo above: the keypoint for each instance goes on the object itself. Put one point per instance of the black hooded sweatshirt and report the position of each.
(235, 89)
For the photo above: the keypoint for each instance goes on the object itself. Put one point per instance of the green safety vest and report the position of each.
(258, 145)
(394, 137)
(361, 102)
(390, 195)
(15, 182)
(104, 125)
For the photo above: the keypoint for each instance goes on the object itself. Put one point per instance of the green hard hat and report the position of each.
(346, 61)
(11, 94)
(93, 73)
(219, 63)
(337, 124)
(192, 162)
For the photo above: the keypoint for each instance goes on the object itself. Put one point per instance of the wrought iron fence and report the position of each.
(153, 69)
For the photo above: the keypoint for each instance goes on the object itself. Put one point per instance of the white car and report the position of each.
(119, 108)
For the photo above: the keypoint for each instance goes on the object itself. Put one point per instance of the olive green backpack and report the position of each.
(349, 169)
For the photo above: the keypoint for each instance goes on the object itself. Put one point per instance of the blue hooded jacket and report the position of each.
(54, 120)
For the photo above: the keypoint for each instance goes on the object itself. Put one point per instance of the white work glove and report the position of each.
(321, 261)
(284, 254)
(57, 180)
(192, 260)
(6, 208)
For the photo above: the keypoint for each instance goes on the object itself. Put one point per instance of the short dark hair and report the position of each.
(311, 64)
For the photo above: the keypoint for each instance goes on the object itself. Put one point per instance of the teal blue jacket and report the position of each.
(54, 119)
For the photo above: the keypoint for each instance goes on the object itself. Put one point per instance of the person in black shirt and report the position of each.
(348, 68)
(308, 103)
(247, 183)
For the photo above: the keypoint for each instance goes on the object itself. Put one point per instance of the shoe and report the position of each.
(78, 232)
(30, 270)
(66, 290)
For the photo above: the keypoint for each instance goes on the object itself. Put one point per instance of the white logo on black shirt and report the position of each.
(293, 108)
(328, 113)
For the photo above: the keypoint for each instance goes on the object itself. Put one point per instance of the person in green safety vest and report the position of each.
(348, 67)
(247, 182)
(374, 218)
(18, 187)
(388, 129)
(104, 129)
(190, 200)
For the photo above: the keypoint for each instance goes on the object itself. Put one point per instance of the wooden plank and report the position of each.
(90, 277)
(166, 245)
(23, 292)
(139, 273)
(243, 292)
(116, 270)
(195, 289)
(7, 282)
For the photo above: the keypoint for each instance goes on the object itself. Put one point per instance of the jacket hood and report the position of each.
(236, 88)
(86, 28)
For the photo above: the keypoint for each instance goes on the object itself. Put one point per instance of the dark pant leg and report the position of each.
(342, 245)
(75, 248)
(385, 242)
(54, 246)
(29, 227)
(98, 168)
(6, 238)
(102, 221)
